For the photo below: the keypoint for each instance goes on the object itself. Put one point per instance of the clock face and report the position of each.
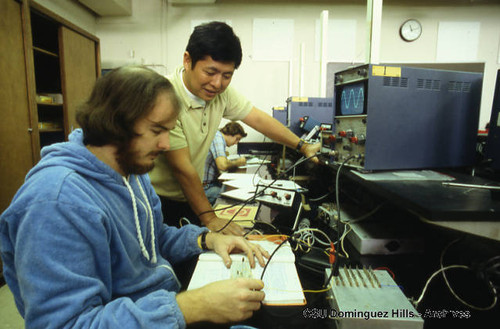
(410, 30)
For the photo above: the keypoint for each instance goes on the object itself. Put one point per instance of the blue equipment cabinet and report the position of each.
(317, 109)
(397, 117)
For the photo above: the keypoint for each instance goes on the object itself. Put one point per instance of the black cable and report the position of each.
(271, 256)
(333, 268)
(258, 168)
(337, 191)
(257, 194)
(339, 221)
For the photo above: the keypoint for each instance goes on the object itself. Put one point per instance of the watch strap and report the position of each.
(299, 145)
(204, 240)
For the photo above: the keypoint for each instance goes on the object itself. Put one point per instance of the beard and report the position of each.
(126, 158)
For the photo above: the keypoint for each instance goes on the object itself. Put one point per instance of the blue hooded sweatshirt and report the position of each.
(84, 247)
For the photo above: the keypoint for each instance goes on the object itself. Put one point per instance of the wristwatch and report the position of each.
(299, 145)
(204, 240)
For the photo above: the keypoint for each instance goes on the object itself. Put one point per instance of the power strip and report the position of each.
(364, 298)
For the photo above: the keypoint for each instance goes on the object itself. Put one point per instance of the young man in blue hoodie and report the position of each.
(83, 241)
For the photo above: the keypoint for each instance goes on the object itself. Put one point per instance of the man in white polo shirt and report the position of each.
(202, 83)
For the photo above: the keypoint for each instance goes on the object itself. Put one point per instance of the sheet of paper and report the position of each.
(413, 175)
(242, 183)
(241, 194)
(272, 39)
(257, 161)
(458, 41)
(341, 40)
(234, 176)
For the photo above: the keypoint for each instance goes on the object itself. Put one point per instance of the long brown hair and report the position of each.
(119, 98)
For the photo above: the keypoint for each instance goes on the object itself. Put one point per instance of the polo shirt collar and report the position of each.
(197, 100)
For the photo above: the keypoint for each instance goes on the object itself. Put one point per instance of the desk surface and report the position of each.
(436, 202)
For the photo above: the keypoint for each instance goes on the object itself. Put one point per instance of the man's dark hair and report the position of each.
(217, 40)
(119, 98)
(232, 129)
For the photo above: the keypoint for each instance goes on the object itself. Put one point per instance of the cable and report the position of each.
(332, 252)
(258, 168)
(320, 198)
(259, 232)
(271, 256)
(325, 287)
(257, 194)
(310, 229)
(432, 277)
(337, 195)
(478, 308)
(387, 269)
(183, 219)
(342, 238)
(230, 220)
(297, 216)
(368, 214)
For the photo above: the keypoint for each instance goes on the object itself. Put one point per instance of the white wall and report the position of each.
(157, 33)
(266, 84)
(393, 49)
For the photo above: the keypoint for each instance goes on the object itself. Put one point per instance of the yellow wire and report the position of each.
(342, 240)
(304, 290)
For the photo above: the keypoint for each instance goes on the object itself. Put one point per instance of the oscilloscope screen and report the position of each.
(351, 99)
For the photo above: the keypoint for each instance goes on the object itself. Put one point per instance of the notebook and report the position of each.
(281, 281)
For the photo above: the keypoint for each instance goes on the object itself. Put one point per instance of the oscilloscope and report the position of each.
(397, 117)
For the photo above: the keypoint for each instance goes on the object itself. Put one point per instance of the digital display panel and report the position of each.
(352, 99)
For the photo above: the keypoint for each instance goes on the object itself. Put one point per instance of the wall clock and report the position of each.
(410, 30)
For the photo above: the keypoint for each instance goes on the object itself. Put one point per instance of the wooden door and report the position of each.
(79, 71)
(16, 155)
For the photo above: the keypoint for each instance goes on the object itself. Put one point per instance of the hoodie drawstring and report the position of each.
(136, 220)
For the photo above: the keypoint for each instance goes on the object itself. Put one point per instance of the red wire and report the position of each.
(387, 269)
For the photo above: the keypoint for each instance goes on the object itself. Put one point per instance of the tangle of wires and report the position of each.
(257, 194)
(487, 272)
(304, 239)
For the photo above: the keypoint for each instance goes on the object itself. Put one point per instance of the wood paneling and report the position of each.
(78, 71)
(15, 139)
(53, 57)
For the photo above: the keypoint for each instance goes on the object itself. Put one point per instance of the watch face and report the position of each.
(410, 30)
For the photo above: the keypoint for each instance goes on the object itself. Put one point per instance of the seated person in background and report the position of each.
(83, 242)
(217, 160)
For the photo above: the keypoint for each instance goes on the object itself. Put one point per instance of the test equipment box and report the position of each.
(397, 117)
(318, 109)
